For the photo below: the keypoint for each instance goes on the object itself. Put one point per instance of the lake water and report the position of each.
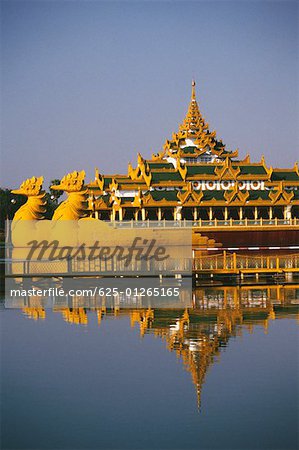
(220, 375)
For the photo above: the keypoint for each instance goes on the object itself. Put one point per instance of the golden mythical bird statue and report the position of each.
(75, 206)
(34, 208)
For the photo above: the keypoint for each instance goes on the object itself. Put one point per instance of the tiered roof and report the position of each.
(194, 155)
(194, 138)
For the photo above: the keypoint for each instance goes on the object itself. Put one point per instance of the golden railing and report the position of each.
(226, 262)
(293, 222)
(233, 262)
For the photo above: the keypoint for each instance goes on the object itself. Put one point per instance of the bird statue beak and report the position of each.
(18, 191)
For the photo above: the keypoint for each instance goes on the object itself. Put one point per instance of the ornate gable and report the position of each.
(99, 179)
(134, 174)
(236, 196)
(227, 172)
(113, 186)
(182, 168)
(189, 195)
(280, 196)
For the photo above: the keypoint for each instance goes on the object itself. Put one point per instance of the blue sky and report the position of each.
(89, 84)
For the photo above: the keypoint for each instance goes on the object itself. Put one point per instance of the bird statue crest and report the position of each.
(75, 206)
(35, 207)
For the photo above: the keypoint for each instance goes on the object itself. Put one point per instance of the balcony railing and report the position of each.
(223, 263)
(214, 223)
(232, 262)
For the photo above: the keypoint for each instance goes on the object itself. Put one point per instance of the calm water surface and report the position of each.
(220, 375)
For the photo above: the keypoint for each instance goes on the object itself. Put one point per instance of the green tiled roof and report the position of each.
(189, 149)
(170, 196)
(126, 200)
(160, 165)
(107, 181)
(105, 198)
(224, 153)
(250, 169)
(220, 146)
(207, 169)
(289, 176)
(166, 176)
(255, 195)
(217, 195)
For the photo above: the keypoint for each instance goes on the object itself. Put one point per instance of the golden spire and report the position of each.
(194, 125)
(194, 132)
(193, 95)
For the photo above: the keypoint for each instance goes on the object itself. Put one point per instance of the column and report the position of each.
(255, 213)
(225, 213)
(210, 213)
(120, 214)
(195, 214)
(287, 212)
(241, 213)
(143, 214)
(270, 213)
(159, 214)
(179, 212)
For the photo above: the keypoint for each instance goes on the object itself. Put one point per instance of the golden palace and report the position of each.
(193, 178)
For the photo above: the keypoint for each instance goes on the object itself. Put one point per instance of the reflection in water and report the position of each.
(196, 334)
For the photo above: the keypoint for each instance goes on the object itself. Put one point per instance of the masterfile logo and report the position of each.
(40, 251)
(88, 246)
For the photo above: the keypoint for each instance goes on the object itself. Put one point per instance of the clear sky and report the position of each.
(89, 84)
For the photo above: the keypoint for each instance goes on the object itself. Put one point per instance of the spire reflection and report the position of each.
(195, 334)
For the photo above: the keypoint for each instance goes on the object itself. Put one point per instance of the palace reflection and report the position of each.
(198, 333)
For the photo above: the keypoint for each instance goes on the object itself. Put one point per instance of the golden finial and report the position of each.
(193, 96)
